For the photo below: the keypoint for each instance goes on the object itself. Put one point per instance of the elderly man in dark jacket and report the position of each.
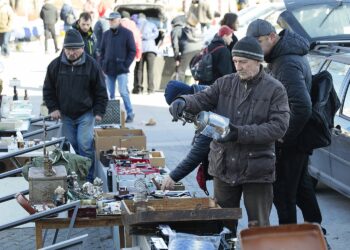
(75, 92)
(257, 106)
(285, 54)
(49, 15)
(118, 51)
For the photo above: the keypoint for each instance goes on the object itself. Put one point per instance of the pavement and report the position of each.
(172, 138)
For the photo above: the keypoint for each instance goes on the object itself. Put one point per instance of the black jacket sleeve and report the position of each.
(198, 153)
(131, 50)
(299, 100)
(49, 89)
(100, 92)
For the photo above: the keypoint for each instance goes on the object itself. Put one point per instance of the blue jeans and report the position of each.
(79, 132)
(123, 90)
(4, 43)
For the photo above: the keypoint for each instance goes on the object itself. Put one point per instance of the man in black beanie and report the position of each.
(75, 92)
(243, 162)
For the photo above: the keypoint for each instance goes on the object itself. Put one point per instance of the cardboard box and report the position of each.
(105, 139)
(157, 159)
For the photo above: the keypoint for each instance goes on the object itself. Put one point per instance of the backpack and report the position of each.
(317, 132)
(201, 65)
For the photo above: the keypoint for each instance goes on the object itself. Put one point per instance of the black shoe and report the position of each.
(130, 118)
(150, 92)
(137, 91)
(57, 50)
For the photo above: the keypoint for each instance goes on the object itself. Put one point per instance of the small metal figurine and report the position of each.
(48, 169)
(60, 198)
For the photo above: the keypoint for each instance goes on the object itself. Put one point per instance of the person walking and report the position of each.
(149, 32)
(126, 22)
(83, 25)
(75, 92)
(67, 15)
(243, 162)
(118, 51)
(6, 21)
(49, 15)
(285, 54)
(201, 10)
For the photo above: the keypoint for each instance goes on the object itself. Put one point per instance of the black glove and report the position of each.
(176, 108)
(231, 136)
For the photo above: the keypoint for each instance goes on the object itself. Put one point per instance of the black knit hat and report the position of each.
(248, 47)
(73, 39)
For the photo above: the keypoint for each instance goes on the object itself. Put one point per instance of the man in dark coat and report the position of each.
(49, 15)
(243, 162)
(75, 92)
(118, 51)
(285, 54)
(83, 25)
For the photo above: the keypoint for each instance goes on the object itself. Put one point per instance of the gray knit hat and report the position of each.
(248, 47)
(73, 39)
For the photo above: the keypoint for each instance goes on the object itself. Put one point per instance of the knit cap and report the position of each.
(248, 47)
(176, 88)
(73, 39)
(225, 30)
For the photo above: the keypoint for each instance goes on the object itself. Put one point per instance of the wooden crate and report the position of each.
(177, 210)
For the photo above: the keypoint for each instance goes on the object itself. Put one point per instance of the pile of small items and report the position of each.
(93, 200)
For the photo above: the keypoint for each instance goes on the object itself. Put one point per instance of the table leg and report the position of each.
(38, 235)
(121, 236)
(128, 238)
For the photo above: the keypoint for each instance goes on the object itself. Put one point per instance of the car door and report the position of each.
(340, 147)
(320, 166)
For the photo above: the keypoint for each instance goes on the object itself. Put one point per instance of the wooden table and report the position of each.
(58, 223)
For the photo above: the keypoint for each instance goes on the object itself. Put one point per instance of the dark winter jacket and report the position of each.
(75, 89)
(65, 10)
(177, 25)
(89, 40)
(222, 60)
(49, 14)
(287, 62)
(190, 40)
(261, 116)
(118, 51)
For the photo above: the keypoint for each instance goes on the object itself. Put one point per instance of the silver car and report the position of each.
(326, 24)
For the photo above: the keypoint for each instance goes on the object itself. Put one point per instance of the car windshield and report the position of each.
(324, 20)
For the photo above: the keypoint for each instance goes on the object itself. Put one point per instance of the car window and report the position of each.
(346, 106)
(320, 20)
(338, 72)
(315, 62)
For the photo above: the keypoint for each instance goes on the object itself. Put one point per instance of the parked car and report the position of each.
(325, 23)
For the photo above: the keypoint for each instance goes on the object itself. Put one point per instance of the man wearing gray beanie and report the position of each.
(243, 162)
(75, 92)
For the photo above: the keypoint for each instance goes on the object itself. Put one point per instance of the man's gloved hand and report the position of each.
(232, 136)
(176, 108)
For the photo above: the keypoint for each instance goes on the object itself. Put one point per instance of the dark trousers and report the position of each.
(149, 58)
(293, 187)
(184, 62)
(50, 29)
(257, 200)
(4, 43)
